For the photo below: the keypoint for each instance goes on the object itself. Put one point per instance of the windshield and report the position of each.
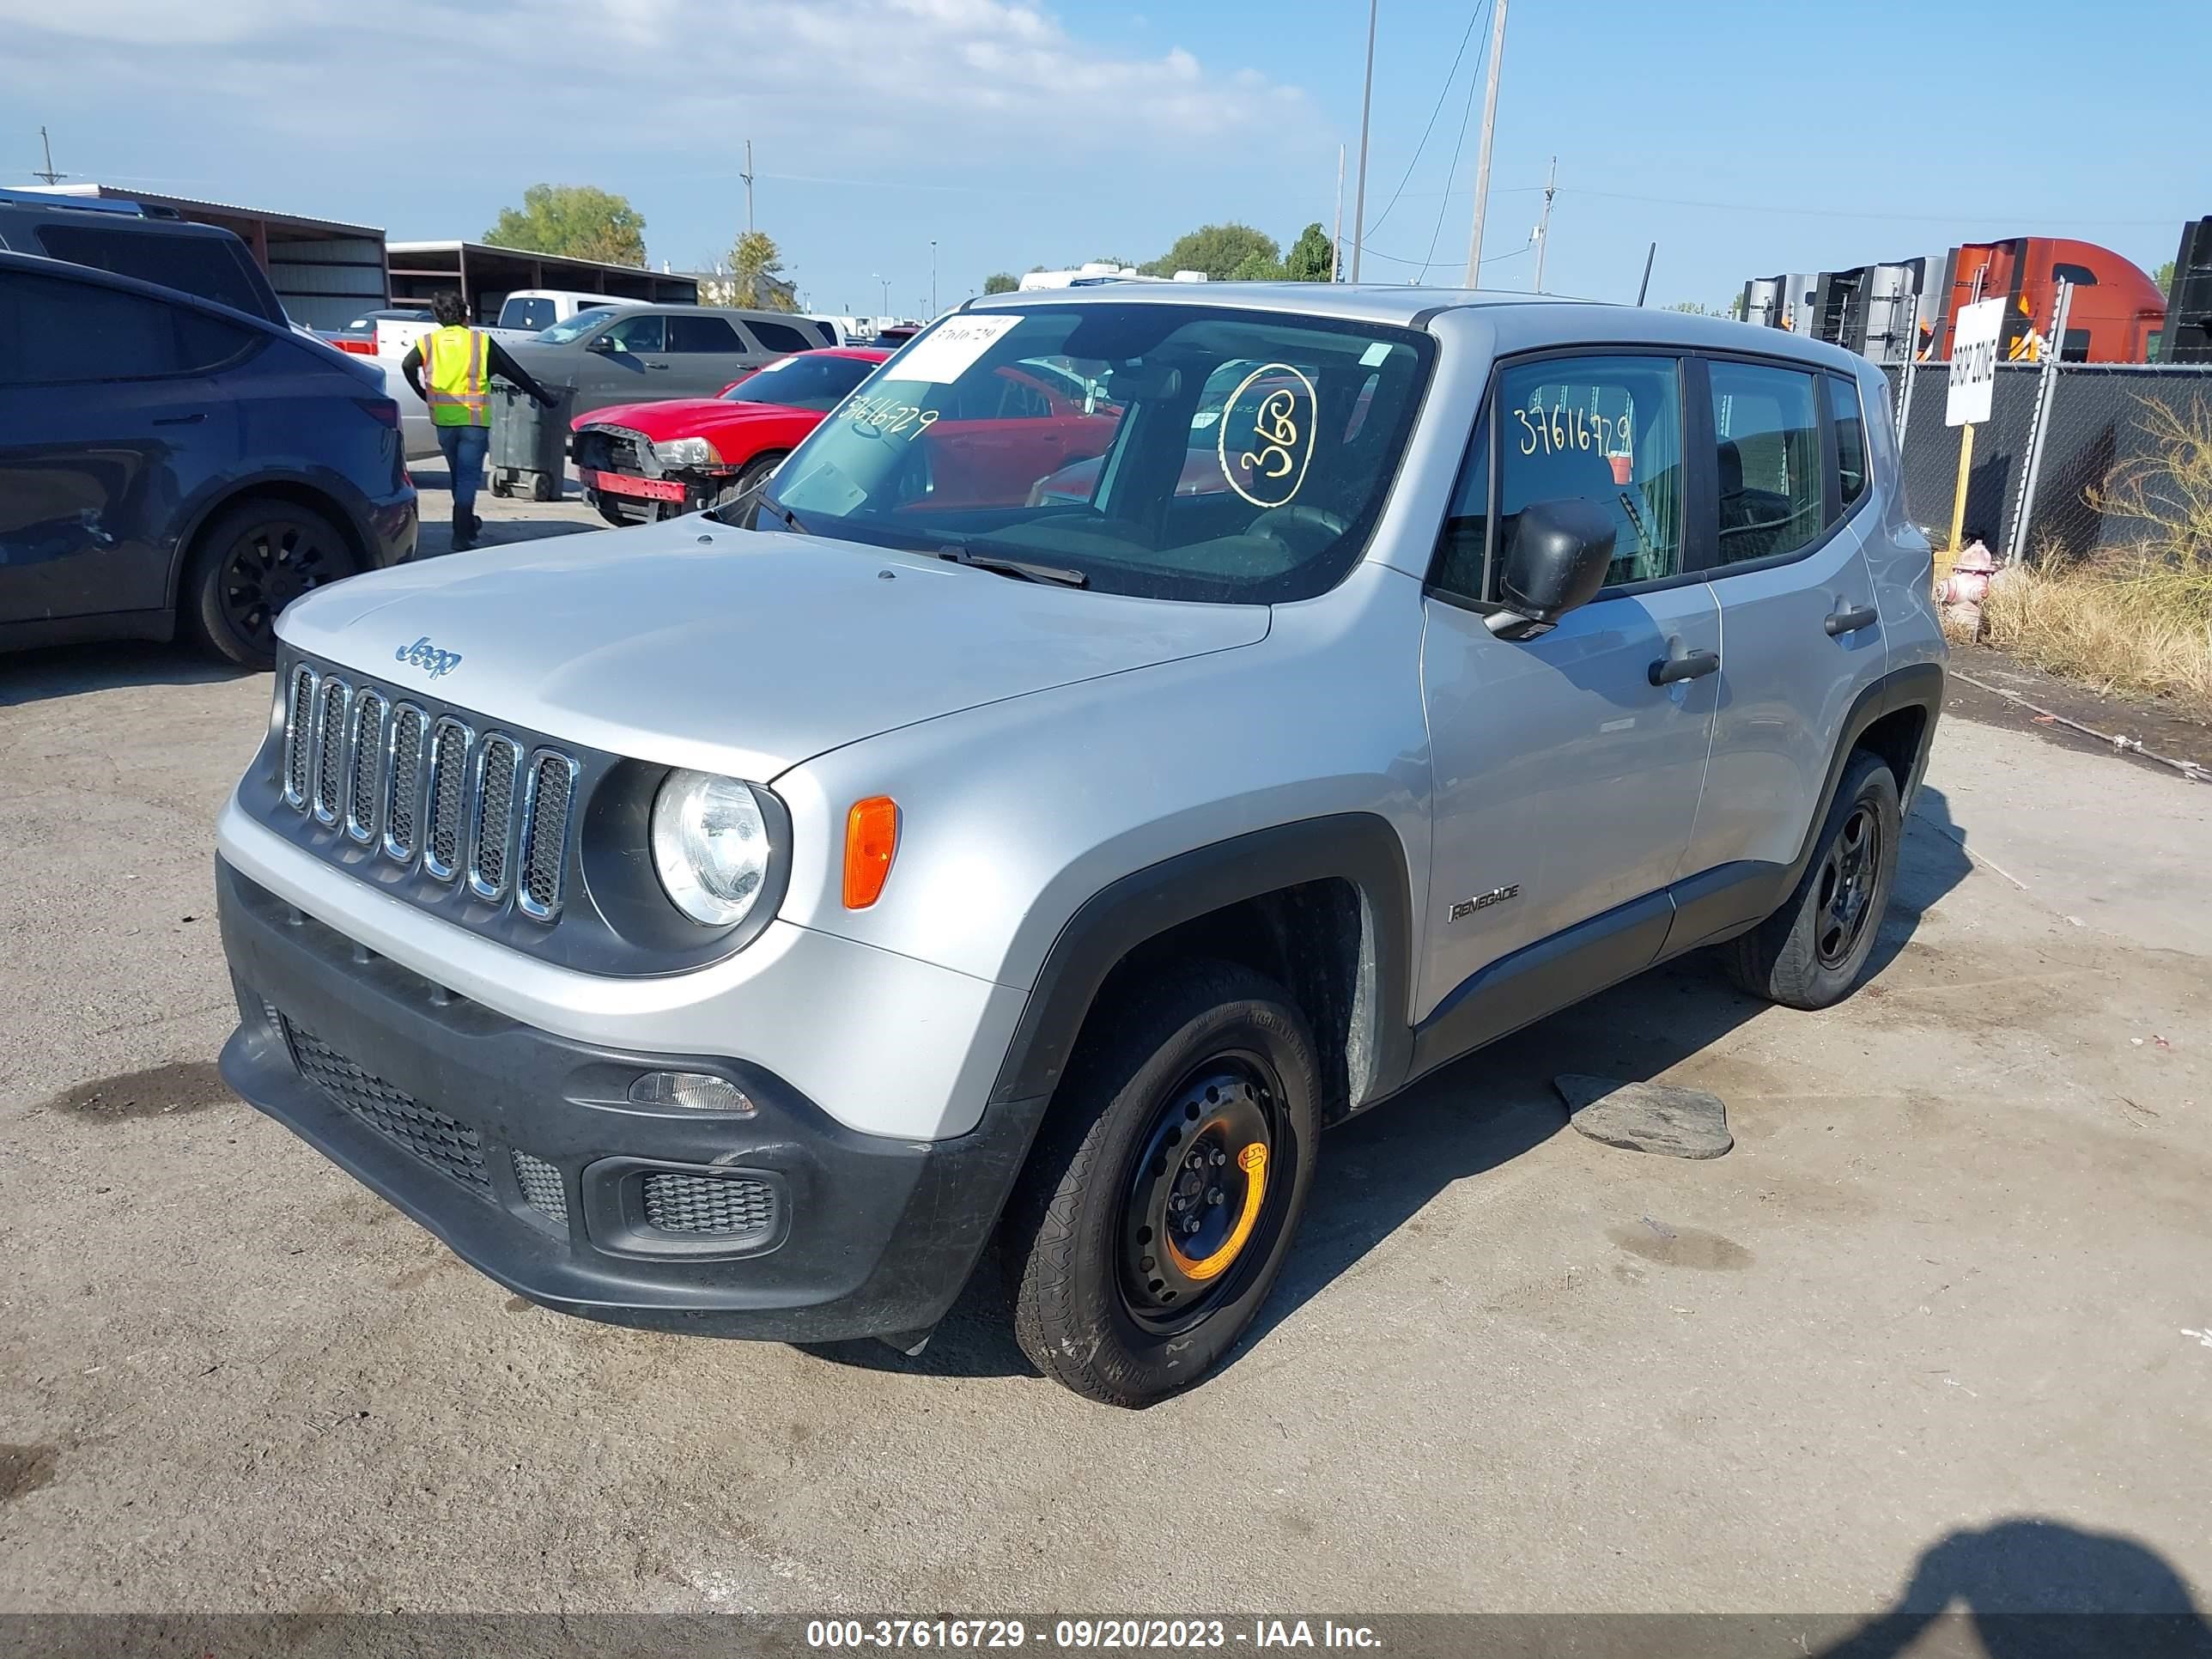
(582, 323)
(807, 382)
(1178, 452)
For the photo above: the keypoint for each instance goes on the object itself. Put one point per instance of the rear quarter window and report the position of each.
(214, 268)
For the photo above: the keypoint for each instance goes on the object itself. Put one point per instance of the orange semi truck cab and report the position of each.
(2115, 311)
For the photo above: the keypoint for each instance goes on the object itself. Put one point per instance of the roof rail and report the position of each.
(56, 199)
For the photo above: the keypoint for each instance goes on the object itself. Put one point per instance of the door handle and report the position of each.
(1689, 665)
(193, 419)
(1850, 621)
(657, 368)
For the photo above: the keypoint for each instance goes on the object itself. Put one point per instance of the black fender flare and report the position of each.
(1359, 847)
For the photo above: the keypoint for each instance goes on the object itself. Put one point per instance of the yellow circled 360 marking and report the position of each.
(1253, 1160)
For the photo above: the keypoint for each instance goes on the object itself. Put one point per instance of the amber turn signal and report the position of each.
(871, 839)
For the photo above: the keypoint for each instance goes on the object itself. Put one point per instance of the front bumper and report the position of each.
(427, 1098)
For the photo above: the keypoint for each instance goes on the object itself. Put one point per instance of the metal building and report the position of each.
(486, 274)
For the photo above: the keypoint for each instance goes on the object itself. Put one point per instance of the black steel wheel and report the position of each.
(1848, 868)
(248, 565)
(1158, 1204)
(1197, 1215)
(1811, 952)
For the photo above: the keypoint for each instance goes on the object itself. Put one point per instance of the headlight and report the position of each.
(710, 847)
(687, 452)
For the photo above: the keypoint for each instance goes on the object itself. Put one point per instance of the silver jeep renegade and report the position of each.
(1139, 728)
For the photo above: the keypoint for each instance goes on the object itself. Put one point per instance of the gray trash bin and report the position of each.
(528, 453)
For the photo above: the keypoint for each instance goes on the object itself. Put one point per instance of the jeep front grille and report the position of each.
(492, 834)
(429, 792)
(403, 807)
(365, 766)
(719, 1207)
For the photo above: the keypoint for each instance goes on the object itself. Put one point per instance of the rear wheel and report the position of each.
(247, 566)
(1158, 1209)
(1810, 953)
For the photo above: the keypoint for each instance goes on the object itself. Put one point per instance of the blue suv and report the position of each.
(169, 464)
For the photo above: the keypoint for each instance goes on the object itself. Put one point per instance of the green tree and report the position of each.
(578, 221)
(756, 269)
(1000, 281)
(1257, 267)
(1217, 250)
(2163, 276)
(1312, 257)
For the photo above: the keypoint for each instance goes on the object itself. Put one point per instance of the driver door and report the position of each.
(1566, 784)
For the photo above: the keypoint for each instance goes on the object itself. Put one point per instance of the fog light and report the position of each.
(694, 1091)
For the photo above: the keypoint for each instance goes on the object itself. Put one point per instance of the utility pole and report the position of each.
(1336, 234)
(1366, 104)
(886, 281)
(747, 175)
(1544, 230)
(49, 175)
(932, 275)
(1482, 157)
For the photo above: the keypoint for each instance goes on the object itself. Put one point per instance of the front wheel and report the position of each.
(1809, 953)
(1159, 1204)
(247, 566)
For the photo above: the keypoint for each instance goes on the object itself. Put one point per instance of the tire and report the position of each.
(544, 486)
(1213, 1060)
(501, 485)
(753, 473)
(617, 516)
(1810, 953)
(246, 566)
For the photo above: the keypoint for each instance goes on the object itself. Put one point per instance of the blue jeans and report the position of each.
(464, 446)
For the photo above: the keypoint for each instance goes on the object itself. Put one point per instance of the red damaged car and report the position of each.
(640, 462)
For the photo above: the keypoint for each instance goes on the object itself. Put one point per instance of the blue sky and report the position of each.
(1746, 139)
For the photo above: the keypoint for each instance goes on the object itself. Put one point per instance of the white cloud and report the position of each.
(868, 84)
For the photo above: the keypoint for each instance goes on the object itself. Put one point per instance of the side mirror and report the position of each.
(602, 343)
(1556, 557)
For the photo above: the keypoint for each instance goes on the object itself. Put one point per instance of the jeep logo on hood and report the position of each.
(425, 655)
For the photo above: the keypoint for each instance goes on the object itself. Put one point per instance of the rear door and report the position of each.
(1566, 781)
(705, 353)
(108, 426)
(1800, 632)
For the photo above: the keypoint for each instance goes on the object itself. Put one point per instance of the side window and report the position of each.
(1462, 561)
(1601, 429)
(1768, 427)
(54, 331)
(206, 344)
(1851, 437)
(208, 266)
(532, 314)
(702, 334)
(779, 336)
(636, 333)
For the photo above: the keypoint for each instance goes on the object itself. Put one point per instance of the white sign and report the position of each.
(1974, 364)
(943, 354)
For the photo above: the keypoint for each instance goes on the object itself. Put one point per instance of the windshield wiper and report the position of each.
(726, 513)
(1059, 574)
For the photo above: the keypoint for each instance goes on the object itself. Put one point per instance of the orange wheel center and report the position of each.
(1253, 1160)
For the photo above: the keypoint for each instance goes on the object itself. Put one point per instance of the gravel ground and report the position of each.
(1949, 1293)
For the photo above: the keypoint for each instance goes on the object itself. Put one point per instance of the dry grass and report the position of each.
(2138, 621)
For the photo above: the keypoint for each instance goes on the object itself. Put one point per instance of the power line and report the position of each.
(1458, 144)
(1849, 213)
(1473, 21)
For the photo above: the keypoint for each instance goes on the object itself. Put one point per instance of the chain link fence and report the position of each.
(2064, 444)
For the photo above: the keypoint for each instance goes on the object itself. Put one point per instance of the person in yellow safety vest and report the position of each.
(458, 363)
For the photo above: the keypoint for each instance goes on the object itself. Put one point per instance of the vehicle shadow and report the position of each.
(65, 670)
(2032, 1587)
(1379, 1171)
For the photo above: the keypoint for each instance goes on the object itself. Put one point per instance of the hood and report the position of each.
(691, 417)
(738, 652)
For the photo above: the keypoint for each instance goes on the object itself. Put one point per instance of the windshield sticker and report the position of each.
(1375, 355)
(949, 350)
(887, 417)
(1271, 415)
